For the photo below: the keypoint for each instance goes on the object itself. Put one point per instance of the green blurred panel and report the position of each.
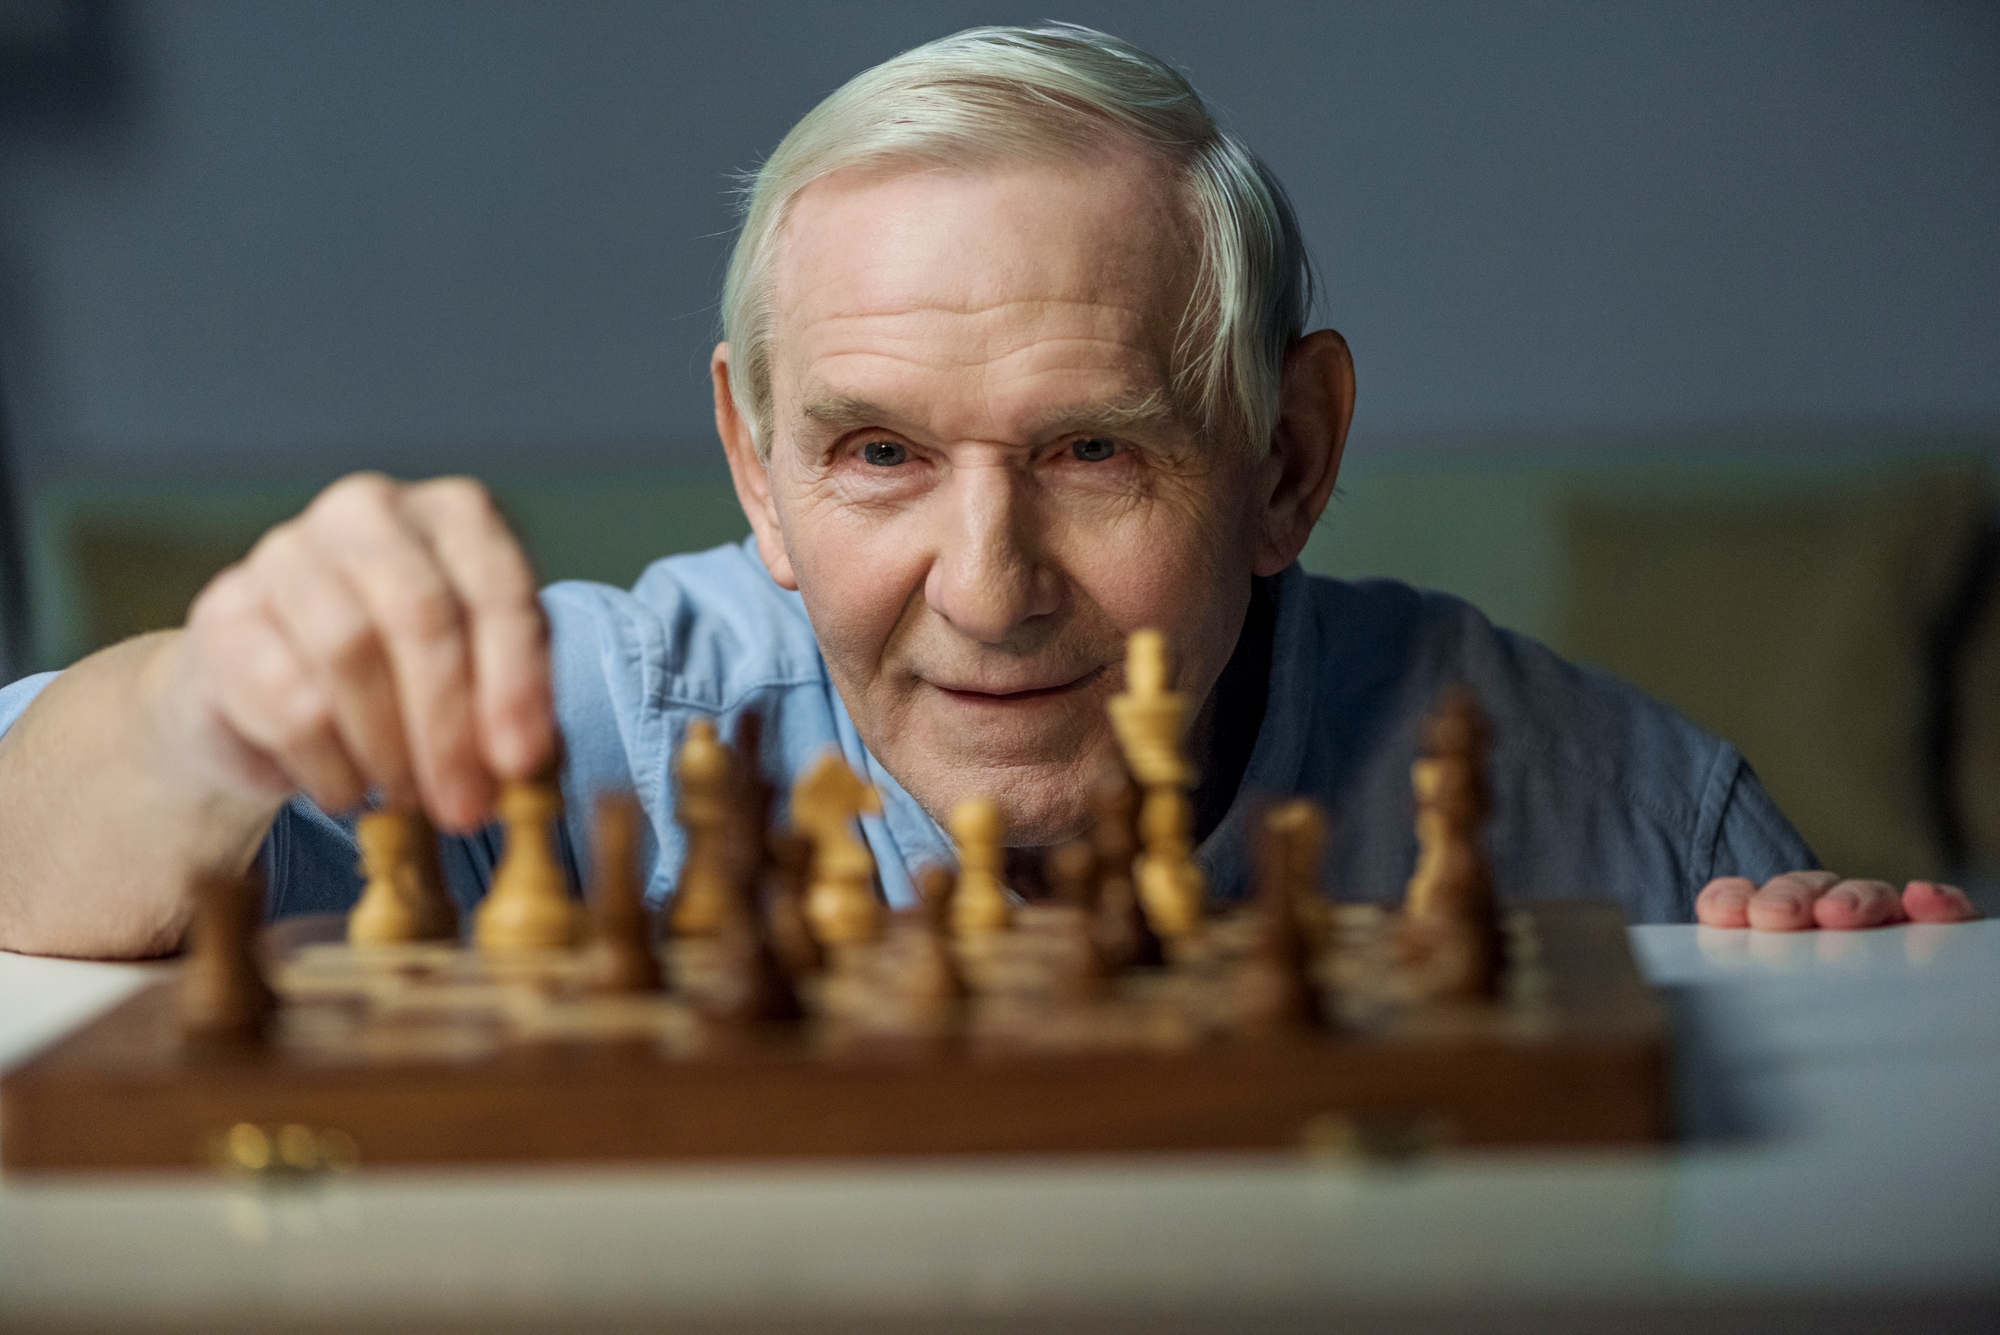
(1485, 534)
(610, 529)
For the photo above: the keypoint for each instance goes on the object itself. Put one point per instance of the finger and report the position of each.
(1928, 901)
(1850, 905)
(324, 618)
(510, 634)
(266, 694)
(1785, 903)
(1725, 902)
(419, 620)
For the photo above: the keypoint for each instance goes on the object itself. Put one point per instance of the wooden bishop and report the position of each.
(1149, 718)
(708, 782)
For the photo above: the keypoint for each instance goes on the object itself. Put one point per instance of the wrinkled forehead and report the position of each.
(1093, 260)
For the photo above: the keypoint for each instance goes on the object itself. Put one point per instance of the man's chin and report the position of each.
(1041, 778)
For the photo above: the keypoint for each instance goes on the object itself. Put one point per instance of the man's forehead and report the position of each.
(1053, 285)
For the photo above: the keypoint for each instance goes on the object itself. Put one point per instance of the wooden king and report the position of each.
(1149, 719)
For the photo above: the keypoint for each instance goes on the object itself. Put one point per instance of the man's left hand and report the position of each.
(1800, 900)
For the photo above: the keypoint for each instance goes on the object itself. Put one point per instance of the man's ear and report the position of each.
(1315, 407)
(752, 478)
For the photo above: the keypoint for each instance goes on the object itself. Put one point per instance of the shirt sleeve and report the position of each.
(1748, 835)
(17, 696)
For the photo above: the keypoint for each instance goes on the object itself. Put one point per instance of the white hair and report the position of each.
(993, 95)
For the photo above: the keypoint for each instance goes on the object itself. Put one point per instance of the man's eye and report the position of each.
(1093, 451)
(884, 453)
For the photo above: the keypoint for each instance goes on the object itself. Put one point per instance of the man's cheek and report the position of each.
(856, 580)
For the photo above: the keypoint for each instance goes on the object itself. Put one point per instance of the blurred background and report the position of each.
(1677, 324)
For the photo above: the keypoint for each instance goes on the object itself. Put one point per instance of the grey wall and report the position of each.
(488, 235)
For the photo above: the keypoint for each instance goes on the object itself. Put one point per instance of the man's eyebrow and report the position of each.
(1153, 407)
(1124, 413)
(844, 412)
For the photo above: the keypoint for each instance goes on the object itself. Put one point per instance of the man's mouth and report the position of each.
(1018, 696)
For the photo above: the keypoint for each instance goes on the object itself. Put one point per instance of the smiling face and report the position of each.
(978, 481)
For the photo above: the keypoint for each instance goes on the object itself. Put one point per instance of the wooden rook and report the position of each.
(404, 898)
(704, 808)
(1450, 933)
(842, 905)
(1276, 991)
(1118, 927)
(1149, 718)
(223, 996)
(624, 928)
(979, 905)
(528, 906)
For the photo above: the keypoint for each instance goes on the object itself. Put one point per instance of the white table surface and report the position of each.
(1841, 1097)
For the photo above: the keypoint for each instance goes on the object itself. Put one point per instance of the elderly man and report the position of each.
(1014, 365)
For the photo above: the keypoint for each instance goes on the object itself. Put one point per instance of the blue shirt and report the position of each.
(1599, 791)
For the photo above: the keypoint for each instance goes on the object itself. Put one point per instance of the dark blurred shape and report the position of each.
(13, 565)
(1962, 727)
(62, 65)
(62, 72)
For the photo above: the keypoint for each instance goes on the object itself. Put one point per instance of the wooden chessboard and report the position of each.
(434, 1055)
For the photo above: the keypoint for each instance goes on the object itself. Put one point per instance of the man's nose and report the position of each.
(990, 576)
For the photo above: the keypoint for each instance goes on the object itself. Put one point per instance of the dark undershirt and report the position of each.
(1236, 712)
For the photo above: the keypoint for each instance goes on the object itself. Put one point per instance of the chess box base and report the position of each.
(126, 1093)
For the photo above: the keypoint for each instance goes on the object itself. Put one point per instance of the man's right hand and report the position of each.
(388, 639)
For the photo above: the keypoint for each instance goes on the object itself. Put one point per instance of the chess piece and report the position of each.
(624, 928)
(979, 905)
(1450, 922)
(784, 905)
(930, 983)
(1118, 927)
(528, 906)
(1276, 990)
(1149, 718)
(842, 905)
(708, 783)
(1071, 871)
(404, 898)
(749, 987)
(754, 792)
(223, 996)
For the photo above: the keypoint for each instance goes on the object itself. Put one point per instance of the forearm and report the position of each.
(105, 815)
